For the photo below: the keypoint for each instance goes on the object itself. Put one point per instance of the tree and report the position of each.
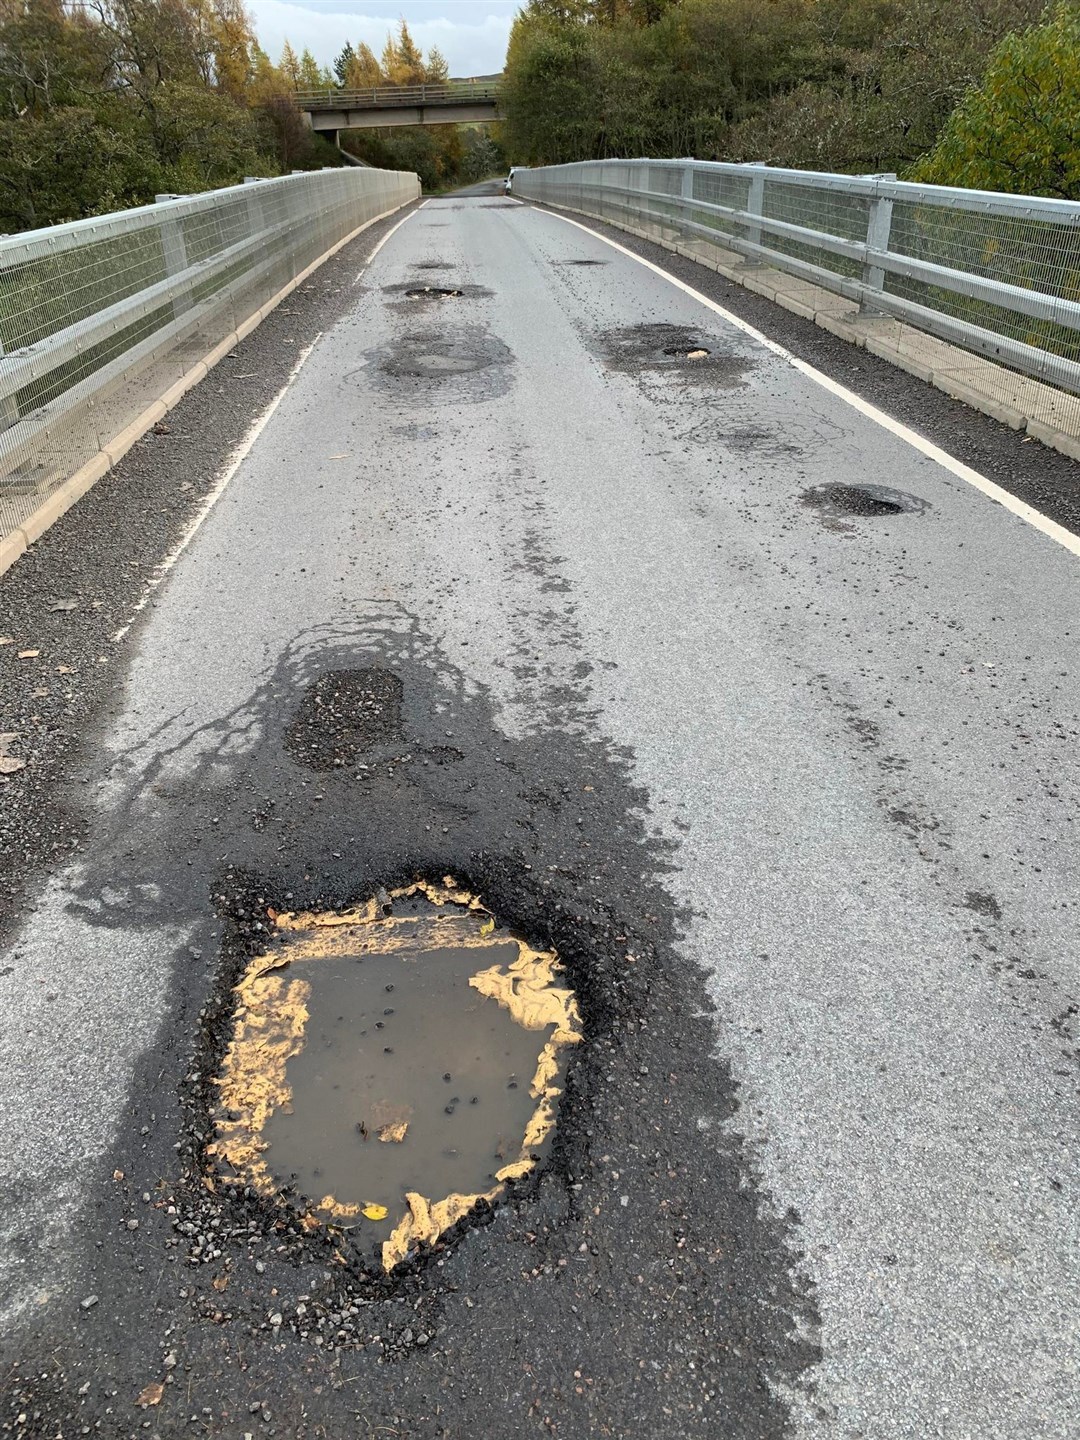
(364, 72)
(311, 77)
(436, 69)
(289, 65)
(1019, 130)
(231, 41)
(341, 65)
(402, 61)
(483, 156)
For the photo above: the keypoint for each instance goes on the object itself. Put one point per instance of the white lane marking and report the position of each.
(1020, 508)
(380, 243)
(236, 459)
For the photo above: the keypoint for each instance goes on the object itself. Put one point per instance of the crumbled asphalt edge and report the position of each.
(101, 554)
(639, 1285)
(1023, 466)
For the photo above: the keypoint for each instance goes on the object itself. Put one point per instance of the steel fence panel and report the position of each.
(998, 275)
(98, 318)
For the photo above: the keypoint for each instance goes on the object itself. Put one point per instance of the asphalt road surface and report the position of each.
(763, 717)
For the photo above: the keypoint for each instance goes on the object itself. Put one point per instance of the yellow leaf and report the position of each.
(488, 926)
(374, 1212)
(394, 1133)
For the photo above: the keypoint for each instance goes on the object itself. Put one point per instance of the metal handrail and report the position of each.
(86, 308)
(997, 274)
(381, 97)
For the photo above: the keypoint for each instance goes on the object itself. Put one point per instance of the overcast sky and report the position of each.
(471, 33)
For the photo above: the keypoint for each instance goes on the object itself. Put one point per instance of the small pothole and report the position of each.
(392, 1068)
(862, 500)
(344, 714)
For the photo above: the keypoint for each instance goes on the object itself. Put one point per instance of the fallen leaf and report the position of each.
(152, 1395)
(374, 1212)
(393, 1134)
(221, 1282)
(7, 639)
(488, 926)
(64, 605)
(118, 1174)
(162, 429)
(29, 654)
(65, 669)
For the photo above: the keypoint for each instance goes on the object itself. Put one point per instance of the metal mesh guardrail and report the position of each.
(100, 317)
(998, 275)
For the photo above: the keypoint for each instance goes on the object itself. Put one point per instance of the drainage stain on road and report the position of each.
(393, 1067)
(453, 359)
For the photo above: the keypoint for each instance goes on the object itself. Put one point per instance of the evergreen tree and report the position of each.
(342, 63)
(436, 69)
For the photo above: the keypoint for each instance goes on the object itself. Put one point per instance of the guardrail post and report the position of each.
(9, 406)
(686, 193)
(878, 228)
(174, 251)
(755, 205)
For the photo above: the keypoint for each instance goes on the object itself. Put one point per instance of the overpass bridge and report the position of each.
(452, 102)
(704, 644)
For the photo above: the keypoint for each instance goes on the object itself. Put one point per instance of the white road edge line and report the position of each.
(1020, 508)
(236, 459)
(380, 243)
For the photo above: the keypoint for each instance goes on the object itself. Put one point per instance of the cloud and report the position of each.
(473, 46)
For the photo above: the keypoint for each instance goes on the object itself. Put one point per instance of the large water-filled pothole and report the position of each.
(394, 1067)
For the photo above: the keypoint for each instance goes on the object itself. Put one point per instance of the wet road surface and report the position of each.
(760, 717)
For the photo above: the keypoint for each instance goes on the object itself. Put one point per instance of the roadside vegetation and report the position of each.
(968, 92)
(106, 103)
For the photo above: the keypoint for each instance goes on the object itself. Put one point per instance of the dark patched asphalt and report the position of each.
(788, 780)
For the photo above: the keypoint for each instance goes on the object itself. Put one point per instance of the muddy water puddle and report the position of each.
(394, 1067)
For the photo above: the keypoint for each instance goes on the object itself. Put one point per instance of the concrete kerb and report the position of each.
(955, 372)
(16, 543)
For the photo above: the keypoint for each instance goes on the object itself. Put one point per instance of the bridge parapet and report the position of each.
(987, 273)
(106, 322)
(393, 97)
